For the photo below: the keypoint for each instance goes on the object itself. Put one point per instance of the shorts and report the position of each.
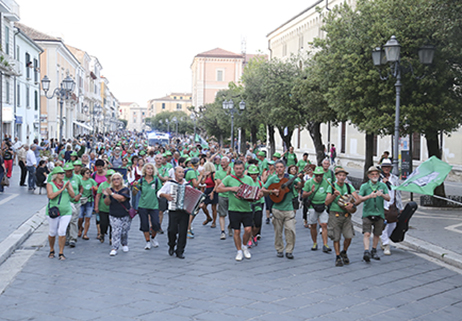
(223, 206)
(268, 203)
(144, 214)
(314, 216)
(378, 225)
(338, 225)
(257, 218)
(163, 204)
(236, 218)
(86, 210)
(207, 200)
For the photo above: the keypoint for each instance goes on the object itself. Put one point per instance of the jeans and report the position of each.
(23, 172)
(1, 177)
(31, 178)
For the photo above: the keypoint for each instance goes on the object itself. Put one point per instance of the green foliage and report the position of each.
(158, 122)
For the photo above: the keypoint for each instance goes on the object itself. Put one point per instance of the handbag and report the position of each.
(131, 212)
(391, 215)
(5, 181)
(83, 200)
(53, 212)
(319, 207)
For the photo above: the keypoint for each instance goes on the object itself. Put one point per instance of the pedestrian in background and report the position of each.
(333, 154)
(59, 194)
(22, 156)
(118, 199)
(31, 164)
(86, 202)
(2, 172)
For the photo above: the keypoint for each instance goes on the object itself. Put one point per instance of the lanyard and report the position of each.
(374, 190)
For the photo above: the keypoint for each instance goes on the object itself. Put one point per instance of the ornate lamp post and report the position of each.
(391, 54)
(228, 106)
(63, 92)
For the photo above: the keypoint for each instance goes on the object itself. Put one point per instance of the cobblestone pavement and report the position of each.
(210, 285)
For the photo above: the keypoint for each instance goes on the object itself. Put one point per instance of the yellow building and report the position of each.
(172, 102)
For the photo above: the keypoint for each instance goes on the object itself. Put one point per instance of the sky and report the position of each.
(146, 47)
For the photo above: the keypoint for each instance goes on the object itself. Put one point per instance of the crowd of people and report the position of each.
(119, 175)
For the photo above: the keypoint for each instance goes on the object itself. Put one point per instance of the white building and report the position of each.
(134, 114)
(27, 85)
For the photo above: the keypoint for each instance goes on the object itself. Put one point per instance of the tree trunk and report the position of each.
(253, 134)
(221, 140)
(316, 136)
(272, 145)
(286, 139)
(433, 149)
(243, 140)
(369, 158)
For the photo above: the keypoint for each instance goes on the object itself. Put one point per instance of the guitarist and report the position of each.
(283, 212)
(339, 221)
(372, 193)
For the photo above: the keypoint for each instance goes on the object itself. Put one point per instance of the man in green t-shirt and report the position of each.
(372, 193)
(194, 178)
(303, 162)
(283, 212)
(238, 209)
(101, 208)
(263, 162)
(220, 174)
(290, 156)
(76, 182)
(328, 173)
(340, 217)
(315, 190)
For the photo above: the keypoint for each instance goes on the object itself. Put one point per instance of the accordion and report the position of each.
(185, 198)
(248, 193)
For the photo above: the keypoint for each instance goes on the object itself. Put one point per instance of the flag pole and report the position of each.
(447, 199)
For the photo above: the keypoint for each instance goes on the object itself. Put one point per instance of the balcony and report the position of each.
(10, 9)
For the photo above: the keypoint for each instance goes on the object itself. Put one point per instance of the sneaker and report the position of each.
(190, 234)
(154, 242)
(386, 249)
(147, 246)
(249, 244)
(125, 248)
(113, 253)
(255, 241)
(223, 235)
(72, 244)
(239, 256)
(230, 231)
(290, 256)
(246, 251)
(338, 261)
(374, 254)
(326, 249)
(258, 237)
(314, 247)
(280, 254)
(267, 220)
(367, 256)
(161, 231)
(345, 258)
(192, 231)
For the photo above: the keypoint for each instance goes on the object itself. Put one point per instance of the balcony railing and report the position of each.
(10, 8)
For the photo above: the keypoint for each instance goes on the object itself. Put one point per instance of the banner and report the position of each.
(425, 178)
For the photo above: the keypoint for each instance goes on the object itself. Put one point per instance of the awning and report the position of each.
(82, 125)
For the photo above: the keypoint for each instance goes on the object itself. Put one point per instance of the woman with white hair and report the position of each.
(118, 200)
(212, 197)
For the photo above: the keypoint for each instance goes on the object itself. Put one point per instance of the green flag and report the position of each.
(197, 139)
(426, 177)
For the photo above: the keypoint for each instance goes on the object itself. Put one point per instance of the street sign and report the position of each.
(405, 164)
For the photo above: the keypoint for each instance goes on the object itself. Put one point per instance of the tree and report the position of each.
(158, 122)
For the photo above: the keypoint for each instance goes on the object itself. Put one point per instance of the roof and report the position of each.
(170, 97)
(127, 104)
(79, 54)
(218, 52)
(35, 34)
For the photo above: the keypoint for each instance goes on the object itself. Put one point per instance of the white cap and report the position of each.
(386, 162)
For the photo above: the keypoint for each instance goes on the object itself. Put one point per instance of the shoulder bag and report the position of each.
(53, 212)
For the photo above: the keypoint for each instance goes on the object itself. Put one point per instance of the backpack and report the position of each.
(140, 183)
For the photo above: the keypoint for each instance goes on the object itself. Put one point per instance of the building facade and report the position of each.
(134, 115)
(293, 37)
(171, 102)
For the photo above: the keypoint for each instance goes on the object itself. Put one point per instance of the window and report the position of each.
(19, 95)
(300, 42)
(7, 40)
(174, 97)
(7, 85)
(416, 146)
(181, 97)
(28, 65)
(219, 75)
(163, 105)
(27, 96)
(284, 50)
(36, 100)
(152, 106)
(178, 106)
(36, 71)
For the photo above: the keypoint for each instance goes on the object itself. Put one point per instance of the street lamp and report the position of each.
(63, 92)
(175, 120)
(391, 54)
(193, 118)
(228, 106)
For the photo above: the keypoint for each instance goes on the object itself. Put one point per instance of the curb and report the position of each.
(437, 252)
(15, 239)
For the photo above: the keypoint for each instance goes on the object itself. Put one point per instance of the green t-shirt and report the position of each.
(295, 191)
(76, 182)
(261, 201)
(87, 188)
(191, 173)
(102, 206)
(163, 171)
(334, 207)
(373, 206)
(148, 192)
(301, 164)
(218, 167)
(263, 165)
(329, 175)
(286, 204)
(221, 174)
(291, 157)
(236, 204)
(194, 153)
(320, 188)
(64, 206)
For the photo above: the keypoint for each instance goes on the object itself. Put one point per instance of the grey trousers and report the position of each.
(72, 228)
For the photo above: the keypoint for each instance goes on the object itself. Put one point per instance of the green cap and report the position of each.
(278, 155)
(261, 154)
(271, 162)
(253, 169)
(110, 172)
(168, 153)
(318, 170)
(57, 170)
(74, 154)
(78, 163)
(68, 166)
(164, 154)
(187, 160)
(142, 153)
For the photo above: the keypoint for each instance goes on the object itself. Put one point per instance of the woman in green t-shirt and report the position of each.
(59, 195)
(86, 201)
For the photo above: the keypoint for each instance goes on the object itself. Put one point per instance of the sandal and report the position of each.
(51, 255)
(213, 225)
(86, 238)
(61, 257)
(305, 224)
(98, 236)
(80, 232)
(207, 221)
(101, 238)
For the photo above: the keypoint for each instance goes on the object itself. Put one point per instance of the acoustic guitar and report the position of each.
(283, 186)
